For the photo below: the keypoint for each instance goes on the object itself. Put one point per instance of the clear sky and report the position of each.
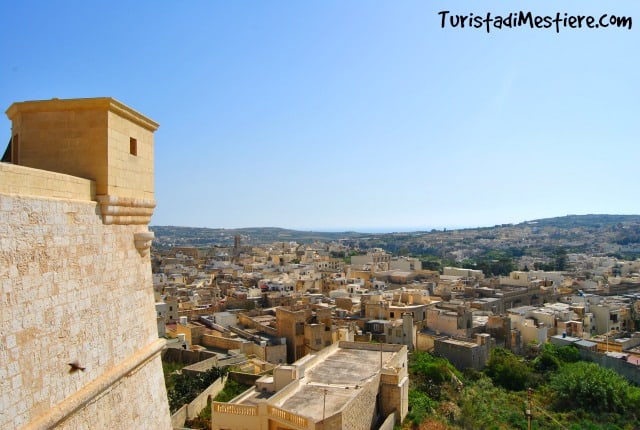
(365, 115)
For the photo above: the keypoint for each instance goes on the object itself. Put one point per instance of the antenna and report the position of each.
(528, 412)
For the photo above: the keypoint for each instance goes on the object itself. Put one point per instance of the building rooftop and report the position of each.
(521, 310)
(336, 379)
(459, 342)
(586, 344)
(567, 338)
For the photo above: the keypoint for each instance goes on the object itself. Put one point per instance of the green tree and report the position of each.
(491, 266)
(566, 354)
(432, 265)
(560, 258)
(507, 370)
(546, 362)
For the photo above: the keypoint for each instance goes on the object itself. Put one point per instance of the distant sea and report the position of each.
(380, 230)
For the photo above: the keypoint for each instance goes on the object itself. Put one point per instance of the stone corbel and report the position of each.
(125, 210)
(143, 241)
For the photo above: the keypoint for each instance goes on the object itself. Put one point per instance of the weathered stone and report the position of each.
(74, 288)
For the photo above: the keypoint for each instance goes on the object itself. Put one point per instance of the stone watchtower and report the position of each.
(76, 196)
(99, 139)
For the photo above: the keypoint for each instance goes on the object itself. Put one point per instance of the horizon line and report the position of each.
(397, 229)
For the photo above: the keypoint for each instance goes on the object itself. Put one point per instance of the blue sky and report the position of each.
(331, 115)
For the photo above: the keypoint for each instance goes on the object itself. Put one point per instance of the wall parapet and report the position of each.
(230, 408)
(21, 180)
(287, 416)
(29, 181)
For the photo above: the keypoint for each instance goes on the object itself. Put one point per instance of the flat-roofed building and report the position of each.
(465, 353)
(349, 385)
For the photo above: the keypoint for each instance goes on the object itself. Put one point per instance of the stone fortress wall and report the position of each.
(75, 275)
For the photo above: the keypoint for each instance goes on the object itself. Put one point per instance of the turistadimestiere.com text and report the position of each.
(560, 21)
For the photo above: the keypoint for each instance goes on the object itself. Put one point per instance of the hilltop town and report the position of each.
(271, 328)
(617, 235)
(275, 304)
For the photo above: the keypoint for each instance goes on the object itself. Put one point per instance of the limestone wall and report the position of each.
(247, 321)
(199, 403)
(394, 399)
(136, 401)
(360, 412)
(75, 289)
(57, 141)
(179, 355)
(214, 341)
(179, 417)
(22, 180)
(389, 423)
(425, 342)
(130, 173)
(628, 370)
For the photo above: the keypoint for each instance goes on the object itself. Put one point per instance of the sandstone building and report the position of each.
(76, 196)
(348, 385)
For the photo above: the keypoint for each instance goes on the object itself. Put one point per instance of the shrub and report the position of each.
(231, 389)
(593, 388)
(183, 388)
(419, 405)
(506, 370)
(546, 362)
(566, 354)
(436, 370)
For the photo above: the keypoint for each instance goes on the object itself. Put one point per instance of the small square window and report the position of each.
(133, 146)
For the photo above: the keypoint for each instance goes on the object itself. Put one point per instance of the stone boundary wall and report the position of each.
(200, 402)
(28, 181)
(426, 341)
(627, 370)
(213, 341)
(201, 366)
(179, 417)
(231, 361)
(251, 348)
(247, 321)
(389, 423)
(179, 355)
(245, 378)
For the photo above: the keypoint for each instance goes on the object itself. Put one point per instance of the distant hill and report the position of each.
(597, 234)
(193, 236)
(591, 221)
